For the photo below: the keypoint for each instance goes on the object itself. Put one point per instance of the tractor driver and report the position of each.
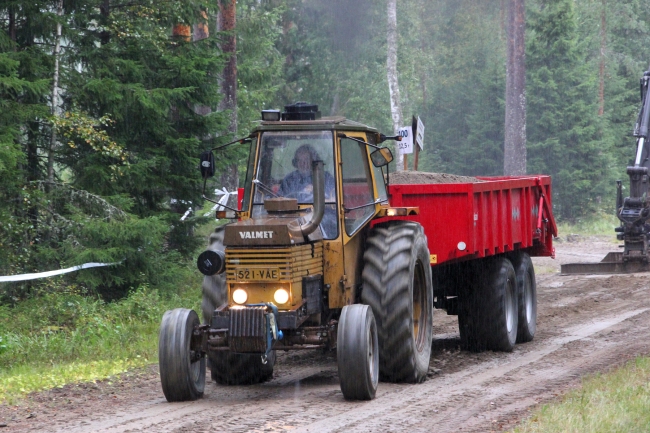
(298, 184)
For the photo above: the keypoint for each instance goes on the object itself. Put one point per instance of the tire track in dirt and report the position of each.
(406, 408)
(586, 324)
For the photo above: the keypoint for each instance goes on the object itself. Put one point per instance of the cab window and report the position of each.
(285, 170)
(357, 187)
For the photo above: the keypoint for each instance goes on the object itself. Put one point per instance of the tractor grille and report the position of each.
(248, 330)
(292, 263)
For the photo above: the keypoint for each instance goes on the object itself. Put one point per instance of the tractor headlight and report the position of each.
(281, 296)
(239, 296)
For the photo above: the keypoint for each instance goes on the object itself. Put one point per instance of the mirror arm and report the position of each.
(383, 137)
(203, 196)
(216, 202)
(239, 140)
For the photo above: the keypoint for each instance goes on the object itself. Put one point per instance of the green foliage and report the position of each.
(564, 137)
(464, 112)
(259, 60)
(130, 126)
(598, 224)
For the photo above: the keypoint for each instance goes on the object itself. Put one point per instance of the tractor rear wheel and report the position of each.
(397, 286)
(214, 286)
(527, 297)
(182, 367)
(357, 353)
(229, 368)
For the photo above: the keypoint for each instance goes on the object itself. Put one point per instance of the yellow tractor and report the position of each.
(289, 273)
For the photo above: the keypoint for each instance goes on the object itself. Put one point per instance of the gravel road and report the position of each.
(586, 324)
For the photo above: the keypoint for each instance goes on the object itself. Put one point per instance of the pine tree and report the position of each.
(563, 127)
(129, 135)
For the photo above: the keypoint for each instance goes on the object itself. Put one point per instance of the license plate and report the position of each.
(253, 274)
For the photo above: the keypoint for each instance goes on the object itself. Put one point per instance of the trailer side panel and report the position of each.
(464, 221)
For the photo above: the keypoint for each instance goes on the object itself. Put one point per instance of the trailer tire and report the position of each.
(182, 379)
(357, 353)
(228, 368)
(527, 297)
(500, 305)
(397, 286)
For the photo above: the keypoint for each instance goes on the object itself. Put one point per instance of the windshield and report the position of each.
(285, 167)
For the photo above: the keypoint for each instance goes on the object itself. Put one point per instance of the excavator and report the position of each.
(633, 211)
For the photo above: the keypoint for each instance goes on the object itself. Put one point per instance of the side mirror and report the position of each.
(207, 164)
(381, 157)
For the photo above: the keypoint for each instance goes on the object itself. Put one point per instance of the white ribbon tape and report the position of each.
(222, 201)
(24, 277)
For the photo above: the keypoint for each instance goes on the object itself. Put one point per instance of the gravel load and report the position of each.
(421, 177)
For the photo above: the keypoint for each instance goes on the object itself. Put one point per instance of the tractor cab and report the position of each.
(281, 167)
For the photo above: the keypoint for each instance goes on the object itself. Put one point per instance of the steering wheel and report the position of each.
(305, 195)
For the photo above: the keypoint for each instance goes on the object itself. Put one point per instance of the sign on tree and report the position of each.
(406, 145)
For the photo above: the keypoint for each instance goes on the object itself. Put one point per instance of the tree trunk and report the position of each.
(105, 11)
(12, 25)
(514, 152)
(391, 66)
(601, 67)
(55, 93)
(201, 31)
(226, 23)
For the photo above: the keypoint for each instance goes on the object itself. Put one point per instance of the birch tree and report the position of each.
(55, 92)
(391, 67)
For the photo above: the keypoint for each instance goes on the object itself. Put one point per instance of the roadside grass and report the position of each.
(597, 225)
(62, 338)
(617, 401)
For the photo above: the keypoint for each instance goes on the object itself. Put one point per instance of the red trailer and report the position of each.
(481, 236)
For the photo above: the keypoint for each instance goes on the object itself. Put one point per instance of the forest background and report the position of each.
(104, 112)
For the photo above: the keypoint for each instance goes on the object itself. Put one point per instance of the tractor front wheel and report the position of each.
(182, 366)
(357, 353)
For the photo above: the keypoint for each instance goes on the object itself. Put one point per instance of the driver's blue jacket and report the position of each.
(296, 184)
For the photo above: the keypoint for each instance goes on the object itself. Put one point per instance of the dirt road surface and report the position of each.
(586, 324)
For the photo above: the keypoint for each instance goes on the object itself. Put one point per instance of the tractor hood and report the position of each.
(275, 230)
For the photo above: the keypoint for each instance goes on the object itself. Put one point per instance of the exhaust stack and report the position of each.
(318, 179)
